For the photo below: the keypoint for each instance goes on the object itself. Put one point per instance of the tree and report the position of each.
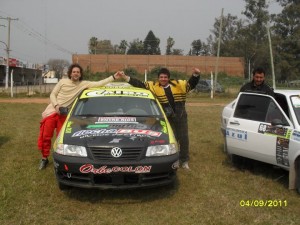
(104, 47)
(287, 35)
(244, 38)
(123, 46)
(136, 47)
(97, 46)
(255, 33)
(58, 65)
(231, 25)
(177, 51)
(151, 44)
(170, 44)
(196, 47)
(121, 49)
(93, 45)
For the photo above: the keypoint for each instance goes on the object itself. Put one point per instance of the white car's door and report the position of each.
(250, 132)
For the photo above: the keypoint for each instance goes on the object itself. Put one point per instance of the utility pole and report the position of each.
(9, 19)
(271, 56)
(218, 51)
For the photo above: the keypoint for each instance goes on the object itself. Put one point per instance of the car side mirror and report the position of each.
(277, 122)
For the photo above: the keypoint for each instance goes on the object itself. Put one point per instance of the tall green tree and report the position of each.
(93, 45)
(151, 44)
(287, 31)
(255, 33)
(121, 48)
(196, 47)
(97, 46)
(231, 26)
(170, 44)
(244, 37)
(136, 47)
(104, 47)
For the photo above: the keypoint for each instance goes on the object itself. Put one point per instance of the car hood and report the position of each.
(115, 131)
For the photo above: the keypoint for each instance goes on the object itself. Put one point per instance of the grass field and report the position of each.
(211, 193)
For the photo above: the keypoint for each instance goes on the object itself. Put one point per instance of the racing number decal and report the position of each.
(262, 128)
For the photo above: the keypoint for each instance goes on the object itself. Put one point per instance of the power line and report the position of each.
(22, 26)
(26, 29)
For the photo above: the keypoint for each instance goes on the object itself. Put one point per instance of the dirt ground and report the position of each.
(46, 100)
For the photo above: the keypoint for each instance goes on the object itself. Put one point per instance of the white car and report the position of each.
(267, 129)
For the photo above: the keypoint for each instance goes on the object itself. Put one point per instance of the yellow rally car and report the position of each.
(115, 137)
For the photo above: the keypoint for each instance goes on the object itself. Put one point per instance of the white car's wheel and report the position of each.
(298, 176)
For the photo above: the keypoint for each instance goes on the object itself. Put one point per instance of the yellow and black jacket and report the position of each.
(179, 89)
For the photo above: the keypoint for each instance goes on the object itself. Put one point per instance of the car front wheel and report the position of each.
(63, 187)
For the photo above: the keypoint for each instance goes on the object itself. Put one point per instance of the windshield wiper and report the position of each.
(88, 115)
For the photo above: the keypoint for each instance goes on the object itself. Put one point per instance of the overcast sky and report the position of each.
(58, 28)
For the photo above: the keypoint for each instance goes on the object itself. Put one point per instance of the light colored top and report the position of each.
(65, 92)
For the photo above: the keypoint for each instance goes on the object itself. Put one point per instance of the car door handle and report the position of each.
(235, 123)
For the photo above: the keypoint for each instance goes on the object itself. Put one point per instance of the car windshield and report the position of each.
(116, 106)
(296, 106)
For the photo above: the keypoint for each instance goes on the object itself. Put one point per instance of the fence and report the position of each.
(28, 89)
(233, 66)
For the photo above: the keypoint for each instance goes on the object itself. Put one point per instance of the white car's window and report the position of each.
(274, 114)
(252, 107)
(259, 108)
(116, 106)
(296, 106)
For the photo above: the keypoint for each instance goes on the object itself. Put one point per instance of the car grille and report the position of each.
(105, 153)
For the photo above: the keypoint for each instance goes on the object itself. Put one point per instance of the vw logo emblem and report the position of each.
(116, 152)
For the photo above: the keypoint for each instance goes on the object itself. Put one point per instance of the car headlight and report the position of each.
(71, 150)
(161, 150)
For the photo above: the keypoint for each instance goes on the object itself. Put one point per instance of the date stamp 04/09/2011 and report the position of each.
(263, 203)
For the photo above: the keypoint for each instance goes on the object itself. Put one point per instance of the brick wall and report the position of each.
(233, 66)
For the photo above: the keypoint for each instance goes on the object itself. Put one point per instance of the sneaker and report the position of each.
(43, 164)
(185, 165)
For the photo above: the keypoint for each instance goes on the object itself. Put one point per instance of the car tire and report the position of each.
(63, 187)
(298, 176)
(225, 146)
(236, 160)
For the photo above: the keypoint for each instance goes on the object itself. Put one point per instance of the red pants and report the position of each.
(47, 127)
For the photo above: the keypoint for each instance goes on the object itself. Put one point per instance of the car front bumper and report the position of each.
(88, 173)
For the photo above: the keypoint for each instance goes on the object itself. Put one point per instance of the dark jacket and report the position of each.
(262, 89)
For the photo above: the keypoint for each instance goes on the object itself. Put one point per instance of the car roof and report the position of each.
(287, 92)
(114, 89)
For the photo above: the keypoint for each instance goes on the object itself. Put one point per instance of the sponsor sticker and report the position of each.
(164, 126)
(107, 132)
(282, 150)
(69, 127)
(89, 168)
(273, 130)
(237, 134)
(97, 132)
(139, 132)
(116, 92)
(116, 120)
(296, 135)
